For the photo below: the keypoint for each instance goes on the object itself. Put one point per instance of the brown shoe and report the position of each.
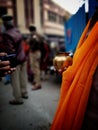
(36, 87)
(14, 102)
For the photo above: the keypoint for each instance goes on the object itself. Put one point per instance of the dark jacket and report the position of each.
(12, 43)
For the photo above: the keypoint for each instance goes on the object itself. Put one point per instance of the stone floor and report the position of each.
(36, 113)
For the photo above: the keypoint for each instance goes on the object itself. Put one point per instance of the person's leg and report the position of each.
(42, 75)
(16, 86)
(36, 70)
(23, 80)
(37, 75)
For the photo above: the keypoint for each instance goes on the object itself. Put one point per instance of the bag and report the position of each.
(34, 42)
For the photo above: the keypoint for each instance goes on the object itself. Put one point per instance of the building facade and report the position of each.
(24, 13)
(46, 15)
(53, 21)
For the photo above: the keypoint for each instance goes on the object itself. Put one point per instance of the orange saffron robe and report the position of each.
(76, 83)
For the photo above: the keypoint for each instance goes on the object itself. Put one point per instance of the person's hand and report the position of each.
(5, 66)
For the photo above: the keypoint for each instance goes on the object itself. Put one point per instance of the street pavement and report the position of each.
(38, 110)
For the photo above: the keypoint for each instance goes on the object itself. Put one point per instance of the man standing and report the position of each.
(18, 77)
(35, 55)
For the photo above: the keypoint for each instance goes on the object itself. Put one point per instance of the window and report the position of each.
(52, 16)
(61, 20)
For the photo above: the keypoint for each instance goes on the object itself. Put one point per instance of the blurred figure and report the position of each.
(2, 29)
(35, 56)
(7, 79)
(5, 68)
(54, 49)
(62, 47)
(18, 77)
(26, 48)
(45, 51)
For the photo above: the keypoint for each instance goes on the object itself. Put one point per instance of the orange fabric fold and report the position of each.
(76, 83)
